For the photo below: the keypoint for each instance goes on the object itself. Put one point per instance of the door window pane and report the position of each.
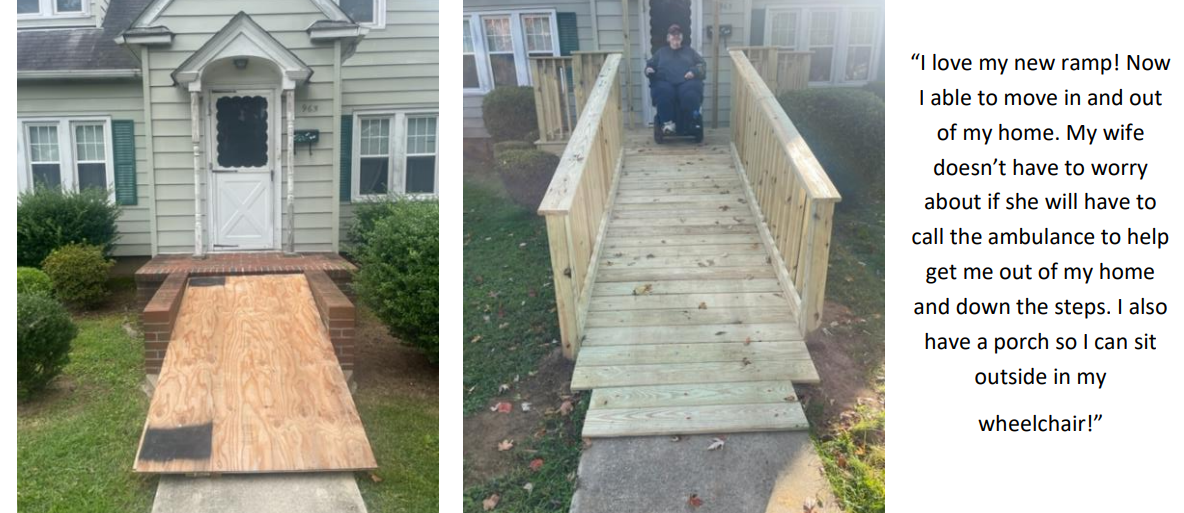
(361, 11)
(28, 6)
(69, 5)
(785, 29)
(242, 131)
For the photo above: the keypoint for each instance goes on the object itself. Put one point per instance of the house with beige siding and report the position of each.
(229, 125)
(845, 40)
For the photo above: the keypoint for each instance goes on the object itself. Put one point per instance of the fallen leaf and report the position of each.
(505, 445)
(841, 461)
(745, 361)
(502, 388)
(716, 443)
(536, 464)
(476, 339)
(529, 487)
(525, 406)
(643, 289)
(695, 501)
(503, 325)
(490, 502)
(676, 438)
(375, 477)
(504, 407)
(565, 408)
(703, 305)
(747, 340)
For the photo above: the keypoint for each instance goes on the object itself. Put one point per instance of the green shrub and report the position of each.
(396, 244)
(845, 129)
(503, 146)
(32, 281)
(876, 88)
(509, 113)
(47, 219)
(44, 331)
(526, 175)
(79, 273)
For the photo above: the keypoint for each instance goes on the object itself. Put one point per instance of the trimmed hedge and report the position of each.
(876, 88)
(526, 175)
(504, 146)
(396, 244)
(47, 219)
(509, 114)
(79, 273)
(30, 280)
(44, 332)
(845, 129)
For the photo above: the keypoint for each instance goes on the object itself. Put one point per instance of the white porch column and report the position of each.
(195, 128)
(291, 202)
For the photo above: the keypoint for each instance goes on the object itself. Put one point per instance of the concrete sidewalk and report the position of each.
(335, 492)
(753, 473)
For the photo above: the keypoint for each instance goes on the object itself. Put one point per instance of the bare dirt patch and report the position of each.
(545, 391)
(844, 382)
(384, 363)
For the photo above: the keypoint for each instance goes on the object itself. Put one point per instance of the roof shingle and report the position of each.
(81, 49)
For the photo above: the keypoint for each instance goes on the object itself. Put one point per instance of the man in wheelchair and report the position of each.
(676, 75)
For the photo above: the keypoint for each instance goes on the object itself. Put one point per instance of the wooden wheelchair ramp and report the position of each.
(250, 384)
(688, 329)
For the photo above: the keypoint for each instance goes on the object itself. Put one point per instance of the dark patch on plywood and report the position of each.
(207, 281)
(183, 443)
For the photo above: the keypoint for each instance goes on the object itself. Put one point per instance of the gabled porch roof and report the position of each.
(242, 37)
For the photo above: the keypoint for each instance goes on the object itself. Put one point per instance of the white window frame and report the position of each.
(397, 154)
(379, 22)
(49, 10)
(842, 32)
(67, 147)
(518, 37)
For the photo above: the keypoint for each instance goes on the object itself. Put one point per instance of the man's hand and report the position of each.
(649, 71)
(689, 75)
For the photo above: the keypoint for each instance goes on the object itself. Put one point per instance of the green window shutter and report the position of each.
(569, 33)
(347, 157)
(123, 142)
(757, 28)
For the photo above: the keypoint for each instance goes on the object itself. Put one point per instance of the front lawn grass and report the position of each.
(405, 435)
(510, 326)
(509, 316)
(76, 442)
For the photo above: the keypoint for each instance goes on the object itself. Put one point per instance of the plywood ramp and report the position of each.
(251, 384)
(688, 328)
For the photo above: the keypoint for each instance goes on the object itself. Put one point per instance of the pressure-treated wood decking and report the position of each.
(687, 276)
(688, 328)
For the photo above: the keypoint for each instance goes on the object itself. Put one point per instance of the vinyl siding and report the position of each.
(118, 100)
(194, 22)
(394, 68)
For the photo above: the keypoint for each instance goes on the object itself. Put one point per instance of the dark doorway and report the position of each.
(663, 14)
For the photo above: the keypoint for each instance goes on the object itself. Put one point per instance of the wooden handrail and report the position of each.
(577, 202)
(782, 68)
(795, 195)
(552, 97)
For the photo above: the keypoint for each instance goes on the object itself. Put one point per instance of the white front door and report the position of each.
(242, 160)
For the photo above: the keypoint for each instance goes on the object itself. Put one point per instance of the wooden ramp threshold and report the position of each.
(689, 328)
(251, 385)
(694, 409)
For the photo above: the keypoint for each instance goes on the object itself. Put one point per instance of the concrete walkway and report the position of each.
(267, 493)
(752, 473)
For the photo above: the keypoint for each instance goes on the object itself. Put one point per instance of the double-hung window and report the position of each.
(69, 153)
(369, 13)
(844, 41)
(396, 154)
(498, 46)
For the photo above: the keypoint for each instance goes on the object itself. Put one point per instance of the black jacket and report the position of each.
(672, 65)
